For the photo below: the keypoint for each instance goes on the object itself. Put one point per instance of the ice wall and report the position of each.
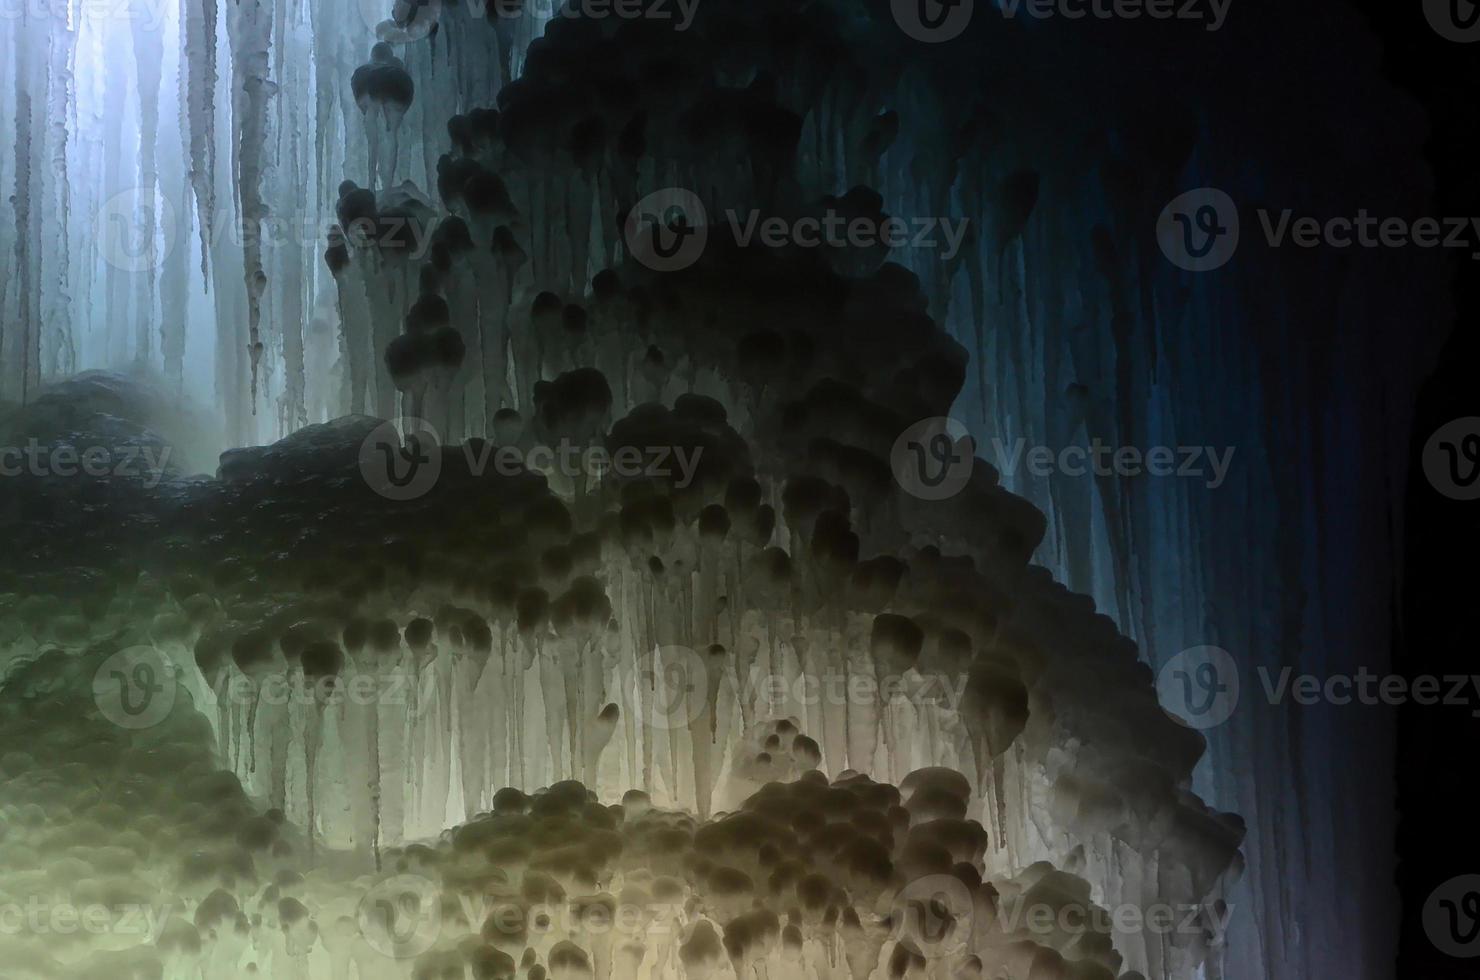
(844, 878)
(513, 636)
(1060, 144)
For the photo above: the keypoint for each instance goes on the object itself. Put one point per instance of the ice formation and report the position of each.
(370, 675)
(804, 878)
(479, 167)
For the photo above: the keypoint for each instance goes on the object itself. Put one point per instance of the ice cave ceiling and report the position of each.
(374, 722)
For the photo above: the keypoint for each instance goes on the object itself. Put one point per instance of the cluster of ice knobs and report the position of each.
(569, 725)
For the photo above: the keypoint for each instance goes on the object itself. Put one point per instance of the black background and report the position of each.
(1439, 605)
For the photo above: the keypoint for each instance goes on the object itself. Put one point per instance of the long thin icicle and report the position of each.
(198, 69)
(249, 26)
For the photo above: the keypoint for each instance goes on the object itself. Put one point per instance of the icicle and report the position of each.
(27, 236)
(148, 44)
(198, 26)
(249, 26)
(61, 111)
(293, 261)
(174, 176)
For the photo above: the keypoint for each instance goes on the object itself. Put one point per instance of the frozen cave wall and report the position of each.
(532, 630)
(175, 221)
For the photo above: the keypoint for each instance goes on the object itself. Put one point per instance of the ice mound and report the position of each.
(178, 873)
(374, 670)
(119, 414)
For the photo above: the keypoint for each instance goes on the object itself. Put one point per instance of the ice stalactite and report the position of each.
(121, 98)
(175, 181)
(249, 27)
(806, 877)
(293, 188)
(796, 844)
(59, 346)
(453, 261)
(148, 48)
(593, 603)
(383, 90)
(198, 83)
(354, 322)
(119, 209)
(8, 38)
(30, 100)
